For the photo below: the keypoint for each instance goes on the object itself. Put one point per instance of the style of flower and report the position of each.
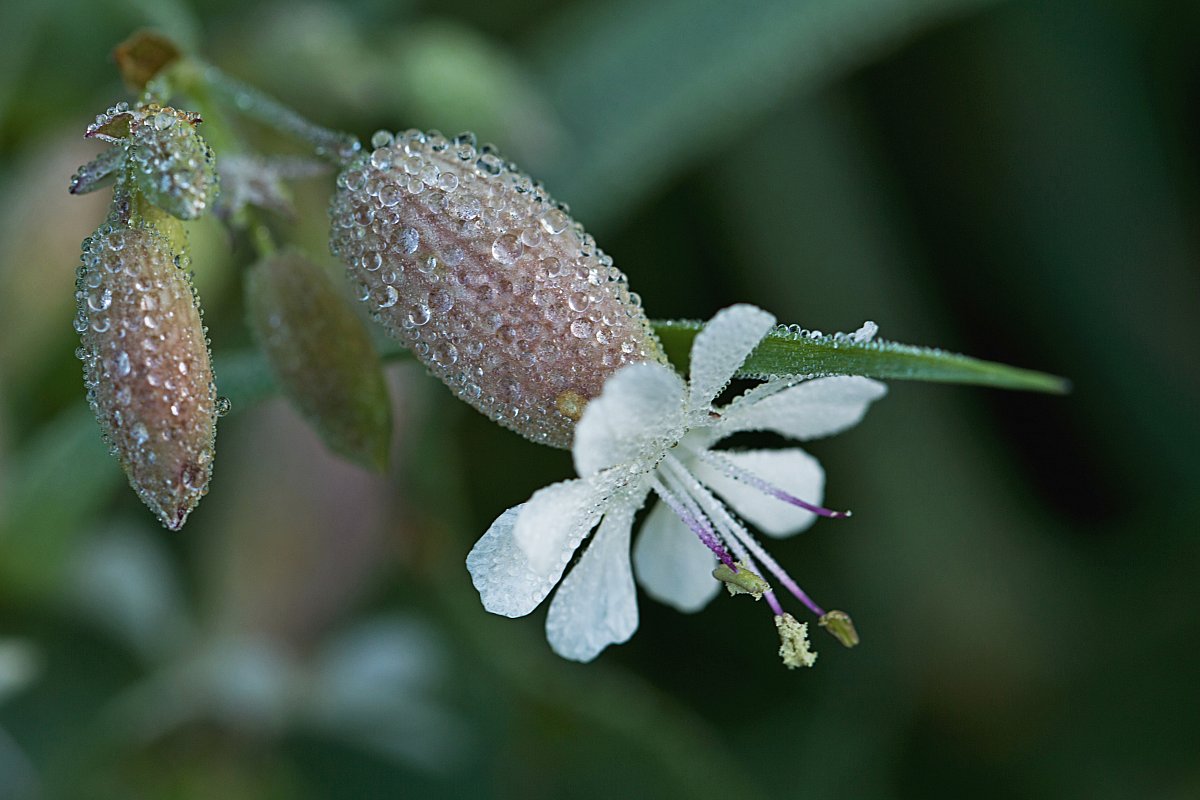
(649, 431)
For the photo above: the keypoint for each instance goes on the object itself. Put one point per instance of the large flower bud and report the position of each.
(171, 164)
(146, 366)
(487, 279)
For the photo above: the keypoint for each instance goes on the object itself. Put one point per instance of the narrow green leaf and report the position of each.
(796, 352)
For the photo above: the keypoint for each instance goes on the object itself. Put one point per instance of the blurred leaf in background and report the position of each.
(1014, 180)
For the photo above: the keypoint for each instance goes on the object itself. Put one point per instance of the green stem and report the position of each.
(331, 145)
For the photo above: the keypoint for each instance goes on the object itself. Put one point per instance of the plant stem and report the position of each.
(331, 145)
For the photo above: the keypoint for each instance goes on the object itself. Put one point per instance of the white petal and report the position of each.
(792, 470)
(819, 407)
(596, 605)
(639, 406)
(673, 566)
(722, 347)
(501, 573)
(556, 519)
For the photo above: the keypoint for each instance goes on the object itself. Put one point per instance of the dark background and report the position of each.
(1014, 180)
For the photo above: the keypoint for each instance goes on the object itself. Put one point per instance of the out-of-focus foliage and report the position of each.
(1014, 180)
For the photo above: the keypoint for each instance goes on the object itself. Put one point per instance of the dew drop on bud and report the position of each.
(148, 372)
(499, 293)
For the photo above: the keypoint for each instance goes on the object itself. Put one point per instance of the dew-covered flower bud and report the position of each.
(321, 354)
(170, 163)
(146, 365)
(488, 280)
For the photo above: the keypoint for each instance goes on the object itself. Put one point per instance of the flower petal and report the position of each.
(640, 406)
(792, 470)
(673, 566)
(501, 572)
(808, 410)
(596, 605)
(556, 519)
(722, 347)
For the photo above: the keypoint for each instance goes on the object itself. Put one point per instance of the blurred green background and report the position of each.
(1015, 180)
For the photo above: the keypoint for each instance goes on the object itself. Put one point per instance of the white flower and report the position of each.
(649, 431)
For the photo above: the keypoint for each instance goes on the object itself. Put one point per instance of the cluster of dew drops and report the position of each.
(490, 282)
(146, 367)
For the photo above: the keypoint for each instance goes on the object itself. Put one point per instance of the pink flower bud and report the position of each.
(146, 366)
(488, 280)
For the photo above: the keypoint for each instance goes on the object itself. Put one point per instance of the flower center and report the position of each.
(718, 529)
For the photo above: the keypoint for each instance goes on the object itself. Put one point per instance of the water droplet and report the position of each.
(581, 328)
(490, 163)
(99, 301)
(123, 364)
(445, 354)
(507, 249)
(140, 434)
(410, 240)
(579, 301)
(223, 406)
(418, 315)
(386, 296)
(554, 221)
(389, 195)
(429, 174)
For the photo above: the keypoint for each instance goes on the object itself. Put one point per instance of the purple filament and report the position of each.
(749, 478)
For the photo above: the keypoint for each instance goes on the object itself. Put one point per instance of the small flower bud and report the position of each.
(321, 354)
(743, 581)
(841, 626)
(170, 162)
(487, 279)
(142, 56)
(794, 646)
(146, 366)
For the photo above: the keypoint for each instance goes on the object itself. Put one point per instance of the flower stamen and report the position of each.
(750, 479)
(733, 531)
(695, 521)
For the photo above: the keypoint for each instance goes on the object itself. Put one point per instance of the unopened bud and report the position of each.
(741, 581)
(841, 626)
(489, 281)
(170, 162)
(321, 354)
(146, 366)
(142, 56)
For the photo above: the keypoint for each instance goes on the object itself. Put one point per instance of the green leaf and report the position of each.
(793, 351)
